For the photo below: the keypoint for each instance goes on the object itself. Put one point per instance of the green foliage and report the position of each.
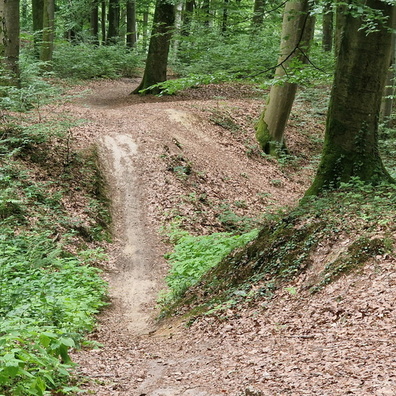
(35, 89)
(195, 255)
(84, 61)
(48, 295)
(356, 220)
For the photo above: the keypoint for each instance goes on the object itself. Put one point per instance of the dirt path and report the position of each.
(193, 159)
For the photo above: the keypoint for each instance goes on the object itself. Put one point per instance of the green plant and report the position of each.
(195, 255)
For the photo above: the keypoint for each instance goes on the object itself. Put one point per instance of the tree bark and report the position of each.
(113, 17)
(187, 17)
(351, 139)
(224, 21)
(297, 31)
(47, 45)
(9, 40)
(258, 13)
(103, 21)
(37, 14)
(389, 91)
(327, 28)
(94, 22)
(131, 24)
(157, 58)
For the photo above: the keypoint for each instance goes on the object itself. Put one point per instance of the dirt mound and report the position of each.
(193, 159)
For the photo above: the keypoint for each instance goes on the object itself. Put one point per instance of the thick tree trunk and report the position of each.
(328, 16)
(131, 23)
(9, 40)
(157, 58)
(47, 46)
(297, 31)
(351, 140)
(113, 17)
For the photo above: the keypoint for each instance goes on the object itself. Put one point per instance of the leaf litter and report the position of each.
(197, 164)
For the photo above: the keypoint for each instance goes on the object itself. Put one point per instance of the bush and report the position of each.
(84, 61)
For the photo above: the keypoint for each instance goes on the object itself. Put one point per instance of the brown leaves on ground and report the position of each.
(198, 164)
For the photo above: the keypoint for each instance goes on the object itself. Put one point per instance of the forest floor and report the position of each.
(192, 159)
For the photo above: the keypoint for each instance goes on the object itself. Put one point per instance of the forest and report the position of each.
(197, 197)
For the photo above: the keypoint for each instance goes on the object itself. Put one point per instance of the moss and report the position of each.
(357, 254)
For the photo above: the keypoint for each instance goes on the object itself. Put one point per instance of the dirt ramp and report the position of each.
(133, 285)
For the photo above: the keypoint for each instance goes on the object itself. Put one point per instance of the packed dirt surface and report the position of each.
(192, 160)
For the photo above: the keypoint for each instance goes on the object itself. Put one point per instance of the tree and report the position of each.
(131, 23)
(9, 40)
(328, 16)
(47, 45)
(351, 139)
(297, 30)
(113, 17)
(94, 22)
(157, 57)
(258, 13)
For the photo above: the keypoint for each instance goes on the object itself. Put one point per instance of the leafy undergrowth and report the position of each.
(330, 236)
(50, 288)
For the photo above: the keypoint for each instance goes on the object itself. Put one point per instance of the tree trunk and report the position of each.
(225, 17)
(157, 58)
(47, 46)
(37, 14)
(114, 22)
(351, 140)
(9, 40)
(258, 13)
(327, 37)
(94, 22)
(297, 31)
(178, 27)
(187, 17)
(389, 91)
(206, 12)
(103, 21)
(145, 28)
(340, 20)
(131, 23)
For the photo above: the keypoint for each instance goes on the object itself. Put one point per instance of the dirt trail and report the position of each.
(168, 159)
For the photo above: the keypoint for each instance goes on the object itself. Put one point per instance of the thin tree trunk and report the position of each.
(389, 91)
(351, 139)
(258, 13)
(9, 40)
(47, 46)
(297, 31)
(157, 58)
(103, 21)
(187, 17)
(341, 14)
(145, 28)
(225, 17)
(94, 22)
(328, 16)
(131, 23)
(206, 12)
(37, 14)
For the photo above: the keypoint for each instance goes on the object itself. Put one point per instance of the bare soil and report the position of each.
(192, 159)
